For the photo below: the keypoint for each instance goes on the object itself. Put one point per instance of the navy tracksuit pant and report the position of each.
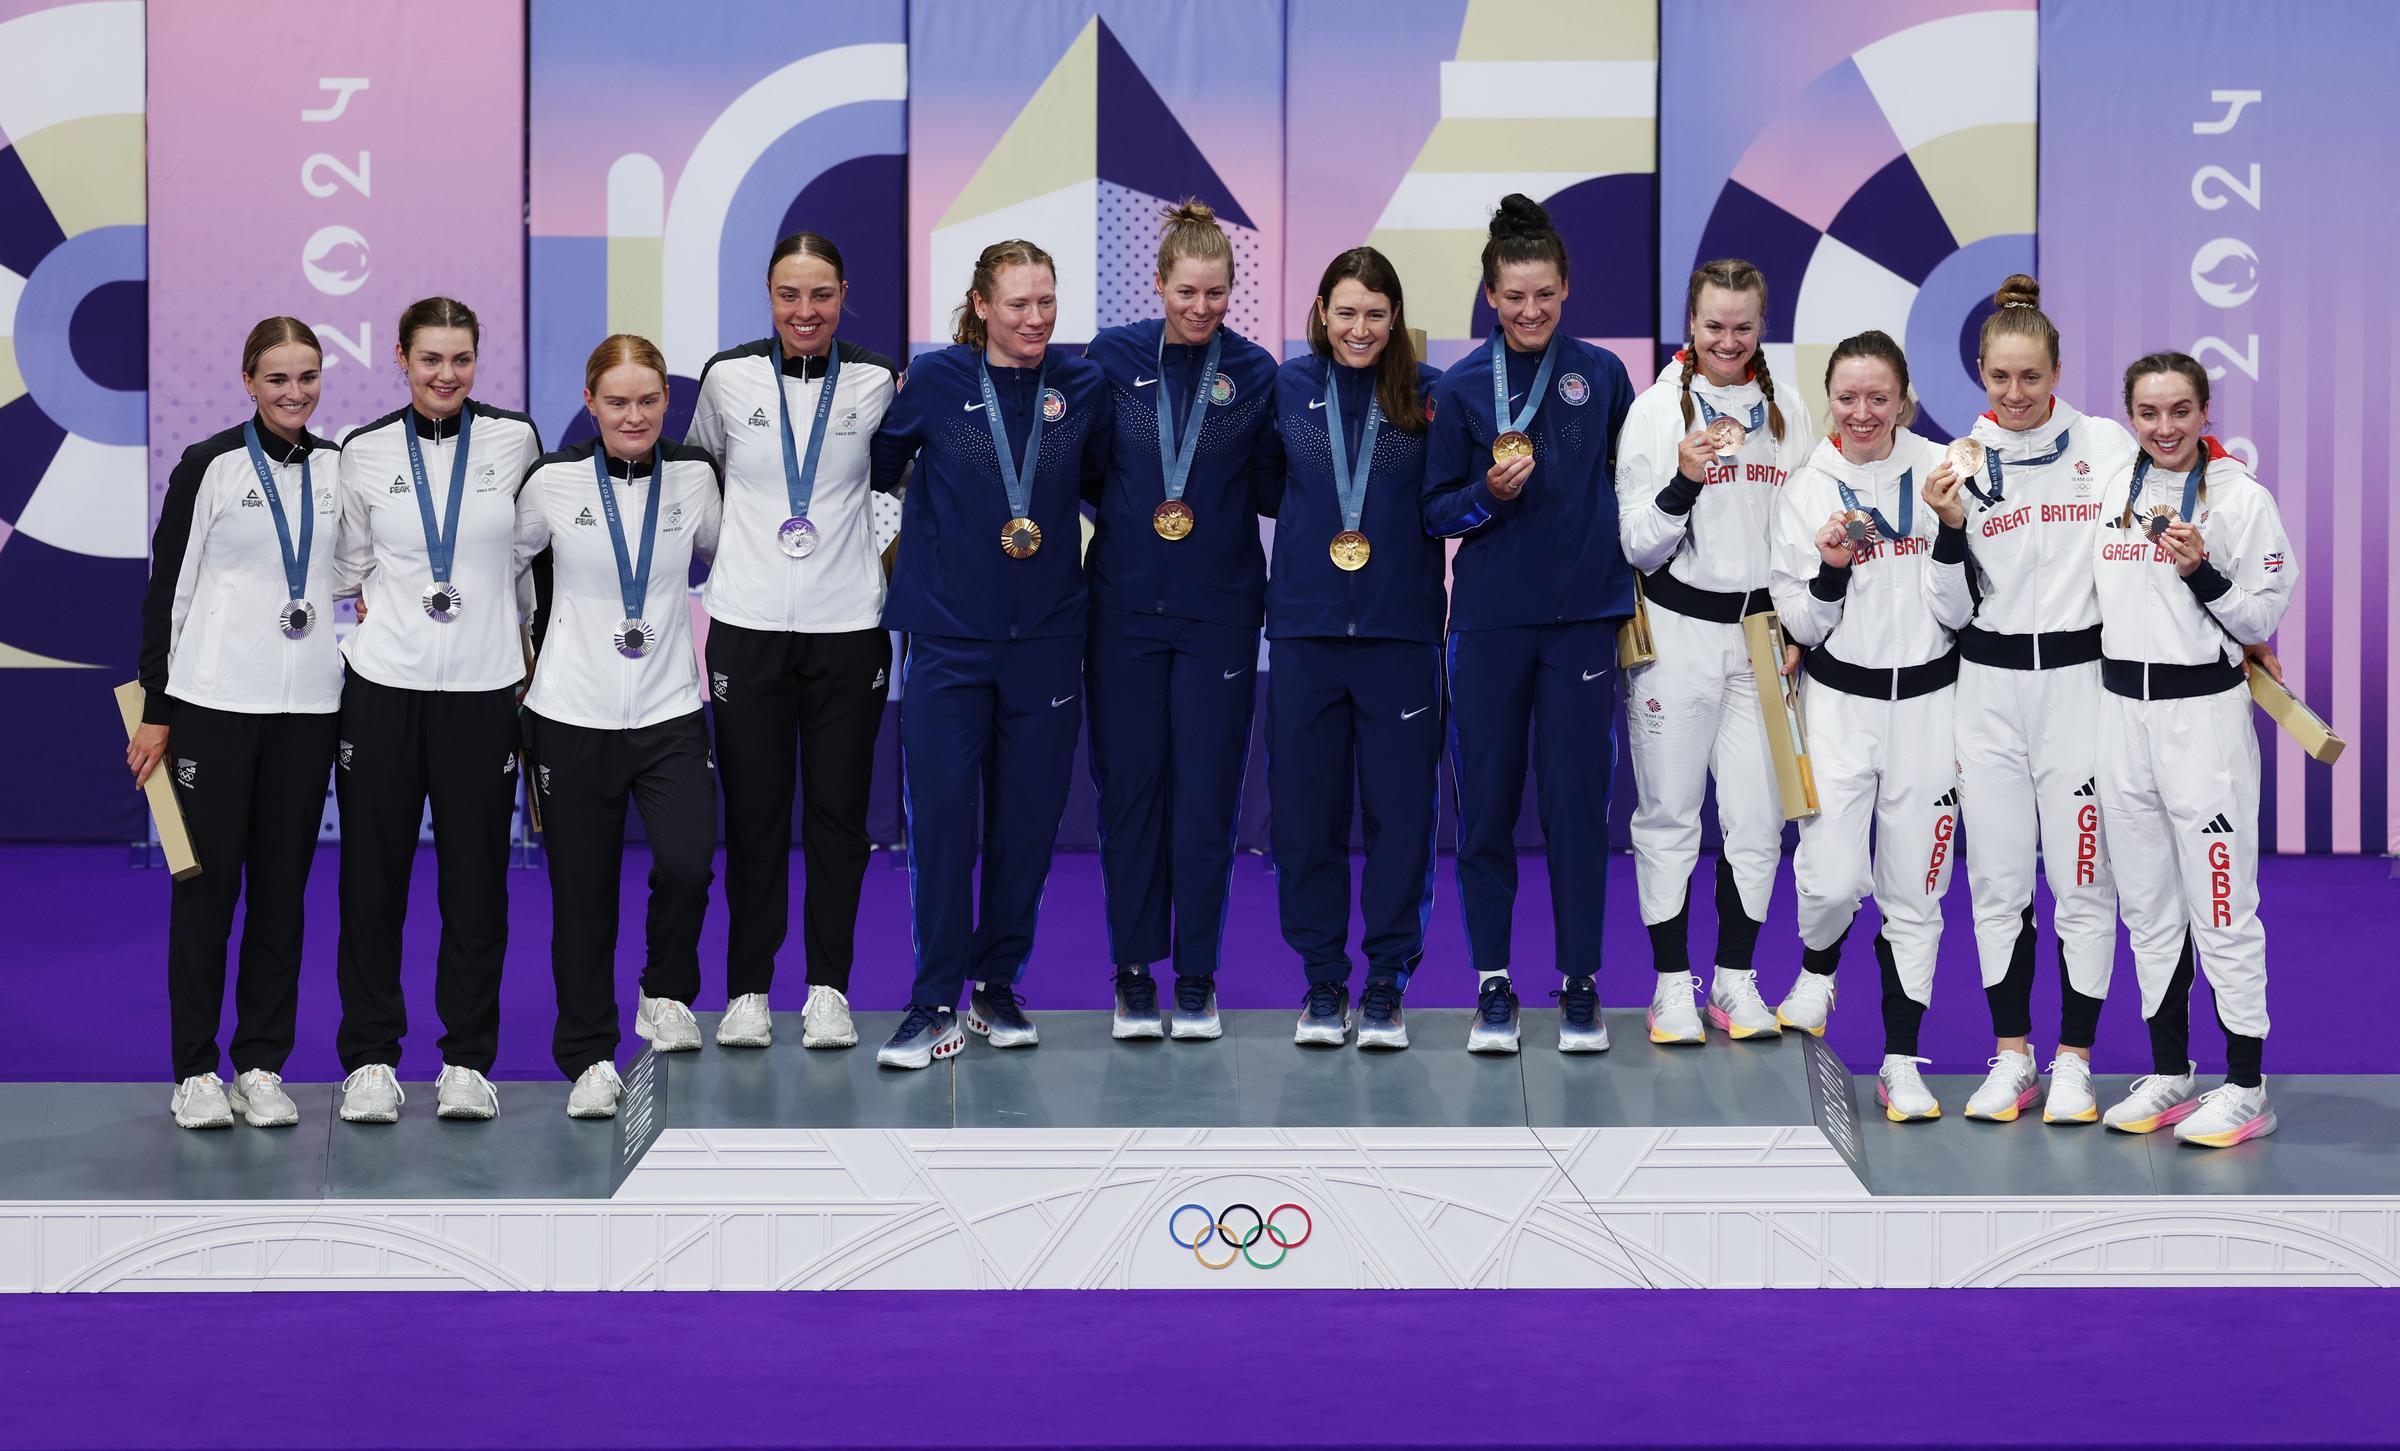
(1171, 702)
(1560, 680)
(994, 720)
(1339, 711)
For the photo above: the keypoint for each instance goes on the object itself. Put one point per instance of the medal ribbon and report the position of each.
(633, 585)
(2191, 484)
(1758, 413)
(440, 544)
(1175, 456)
(1350, 487)
(1016, 475)
(1883, 526)
(1991, 465)
(800, 475)
(1501, 418)
(295, 563)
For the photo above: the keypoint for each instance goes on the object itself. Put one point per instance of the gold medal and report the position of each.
(1966, 458)
(1172, 519)
(1511, 445)
(1726, 435)
(1350, 550)
(1020, 538)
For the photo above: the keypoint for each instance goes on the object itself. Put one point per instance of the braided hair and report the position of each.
(1733, 275)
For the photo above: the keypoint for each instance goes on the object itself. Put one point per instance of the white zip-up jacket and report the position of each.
(580, 678)
(753, 583)
(2031, 549)
(210, 630)
(383, 558)
(1714, 538)
(2236, 597)
(1902, 601)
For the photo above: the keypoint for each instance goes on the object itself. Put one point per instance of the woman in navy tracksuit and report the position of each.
(990, 588)
(1354, 680)
(1540, 585)
(1178, 588)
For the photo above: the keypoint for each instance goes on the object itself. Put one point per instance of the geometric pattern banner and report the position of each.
(1880, 172)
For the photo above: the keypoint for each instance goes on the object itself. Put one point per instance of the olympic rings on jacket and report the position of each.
(1261, 1226)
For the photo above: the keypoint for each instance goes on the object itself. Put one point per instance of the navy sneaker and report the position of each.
(1324, 1014)
(1137, 1007)
(1581, 1029)
(998, 1014)
(1379, 1022)
(924, 1034)
(1495, 1027)
(1196, 1008)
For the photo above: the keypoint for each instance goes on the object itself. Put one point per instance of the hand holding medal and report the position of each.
(1726, 434)
(1847, 532)
(1945, 484)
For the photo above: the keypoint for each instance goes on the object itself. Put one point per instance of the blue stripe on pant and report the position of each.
(999, 718)
(1368, 711)
(1170, 708)
(1558, 684)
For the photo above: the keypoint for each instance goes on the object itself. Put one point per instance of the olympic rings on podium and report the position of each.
(1261, 1226)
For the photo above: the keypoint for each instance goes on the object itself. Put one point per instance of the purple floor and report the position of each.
(83, 974)
(2216, 1368)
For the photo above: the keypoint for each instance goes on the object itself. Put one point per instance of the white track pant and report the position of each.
(1691, 715)
(1884, 765)
(2028, 753)
(2179, 789)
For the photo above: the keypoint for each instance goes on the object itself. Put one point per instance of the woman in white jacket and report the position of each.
(1872, 586)
(1699, 463)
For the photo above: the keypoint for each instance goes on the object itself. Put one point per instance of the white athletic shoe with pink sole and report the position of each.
(2228, 1115)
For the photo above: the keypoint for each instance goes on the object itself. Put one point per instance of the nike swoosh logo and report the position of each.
(1231, 673)
(1316, 402)
(1413, 714)
(974, 408)
(1062, 700)
(1143, 382)
(1593, 674)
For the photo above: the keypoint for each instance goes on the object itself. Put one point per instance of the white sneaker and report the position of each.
(199, 1103)
(259, 1098)
(595, 1094)
(2228, 1115)
(1808, 1004)
(2155, 1102)
(464, 1093)
(1675, 1009)
(2007, 1090)
(1903, 1094)
(748, 1024)
(825, 1019)
(372, 1096)
(2070, 1100)
(668, 1024)
(1736, 1008)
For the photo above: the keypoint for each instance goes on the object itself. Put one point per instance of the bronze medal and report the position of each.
(1350, 550)
(1859, 525)
(1511, 445)
(1965, 459)
(1727, 434)
(1020, 537)
(2158, 521)
(1172, 519)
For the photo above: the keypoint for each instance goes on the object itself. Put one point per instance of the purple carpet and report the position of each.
(2200, 1368)
(85, 964)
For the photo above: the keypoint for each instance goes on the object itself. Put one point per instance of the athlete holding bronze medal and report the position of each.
(429, 713)
(1701, 458)
(1354, 686)
(1521, 470)
(1178, 590)
(1005, 436)
(614, 711)
(239, 689)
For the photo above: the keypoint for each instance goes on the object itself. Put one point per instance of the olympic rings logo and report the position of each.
(1261, 1226)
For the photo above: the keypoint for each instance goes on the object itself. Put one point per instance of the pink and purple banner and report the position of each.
(2215, 179)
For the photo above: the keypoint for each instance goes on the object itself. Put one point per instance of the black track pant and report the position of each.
(252, 788)
(400, 749)
(772, 691)
(585, 777)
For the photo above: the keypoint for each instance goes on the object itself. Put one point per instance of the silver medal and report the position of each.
(296, 619)
(797, 537)
(442, 601)
(634, 638)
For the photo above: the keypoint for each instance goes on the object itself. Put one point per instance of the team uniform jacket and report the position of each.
(209, 631)
(753, 583)
(952, 577)
(1398, 595)
(1900, 603)
(1712, 536)
(1217, 573)
(581, 679)
(1551, 555)
(382, 559)
(2031, 552)
(2150, 614)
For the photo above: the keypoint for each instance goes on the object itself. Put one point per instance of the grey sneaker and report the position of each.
(1495, 1026)
(464, 1093)
(1379, 1022)
(596, 1092)
(747, 1024)
(1137, 1013)
(1196, 1009)
(199, 1103)
(259, 1098)
(825, 1019)
(1324, 1014)
(372, 1096)
(668, 1024)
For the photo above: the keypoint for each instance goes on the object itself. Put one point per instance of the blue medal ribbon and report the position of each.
(1758, 413)
(1883, 526)
(1349, 485)
(633, 582)
(1991, 466)
(1175, 455)
(440, 543)
(800, 474)
(1016, 475)
(2191, 484)
(1502, 421)
(295, 562)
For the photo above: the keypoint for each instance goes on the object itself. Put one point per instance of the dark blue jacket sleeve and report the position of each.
(1457, 500)
(898, 439)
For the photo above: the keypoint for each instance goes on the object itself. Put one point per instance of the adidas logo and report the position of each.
(1949, 798)
(2217, 826)
(758, 419)
(399, 485)
(2088, 788)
